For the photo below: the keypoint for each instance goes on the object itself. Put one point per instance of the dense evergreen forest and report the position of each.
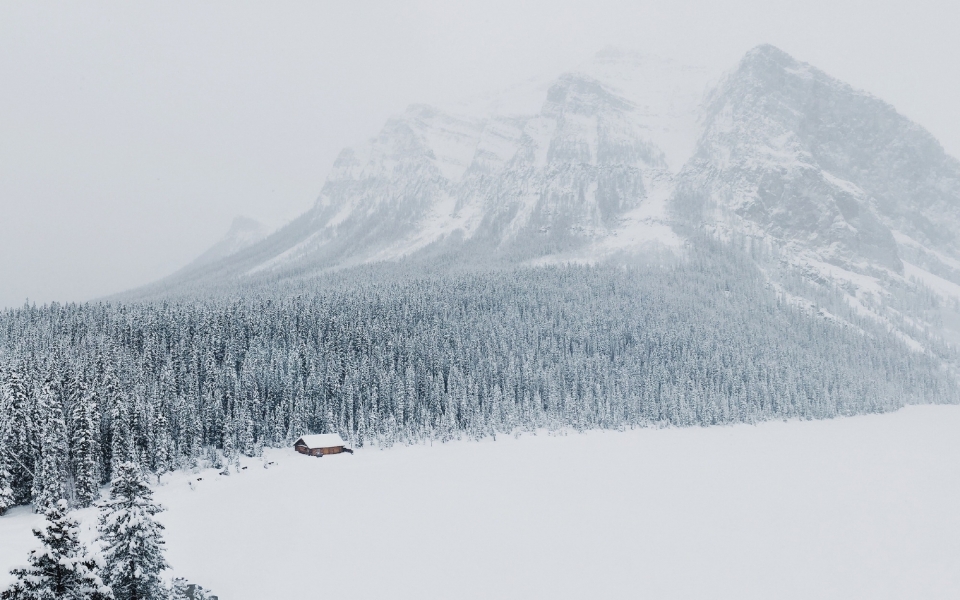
(385, 360)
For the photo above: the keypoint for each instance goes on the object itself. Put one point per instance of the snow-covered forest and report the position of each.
(384, 360)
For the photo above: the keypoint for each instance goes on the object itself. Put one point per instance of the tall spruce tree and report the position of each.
(62, 569)
(162, 444)
(85, 445)
(6, 478)
(17, 441)
(183, 590)
(49, 482)
(114, 403)
(132, 539)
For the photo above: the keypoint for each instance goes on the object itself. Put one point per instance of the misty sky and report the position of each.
(131, 134)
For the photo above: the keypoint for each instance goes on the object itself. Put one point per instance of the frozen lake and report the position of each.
(863, 507)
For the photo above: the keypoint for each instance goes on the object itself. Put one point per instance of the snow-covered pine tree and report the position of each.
(51, 472)
(6, 477)
(179, 589)
(62, 569)
(117, 439)
(162, 443)
(132, 539)
(184, 590)
(17, 439)
(245, 440)
(85, 445)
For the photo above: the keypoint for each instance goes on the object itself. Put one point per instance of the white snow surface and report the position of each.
(323, 440)
(943, 287)
(862, 507)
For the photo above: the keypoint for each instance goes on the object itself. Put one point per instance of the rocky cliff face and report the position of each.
(847, 191)
(803, 159)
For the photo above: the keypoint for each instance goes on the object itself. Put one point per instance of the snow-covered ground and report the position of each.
(863, 507)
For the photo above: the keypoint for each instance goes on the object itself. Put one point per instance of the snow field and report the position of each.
(863, 507)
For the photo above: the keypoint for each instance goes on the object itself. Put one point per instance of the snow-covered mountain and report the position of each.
(843, 188)
(797, 155)
(582, 165)
(630, 155)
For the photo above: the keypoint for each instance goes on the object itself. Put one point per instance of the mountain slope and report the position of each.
(794, 151)
(243, 233)
(628, 156)
(845, 190)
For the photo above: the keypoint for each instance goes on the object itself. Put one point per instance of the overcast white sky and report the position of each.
(131, 134)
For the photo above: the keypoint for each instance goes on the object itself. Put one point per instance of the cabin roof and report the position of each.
(321, 440)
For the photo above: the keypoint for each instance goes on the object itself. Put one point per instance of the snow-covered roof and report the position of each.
(322, 440)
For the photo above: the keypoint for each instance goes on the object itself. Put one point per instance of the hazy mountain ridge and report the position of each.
(573, 177)
(626, 151)
(243, 233)
(564, 176)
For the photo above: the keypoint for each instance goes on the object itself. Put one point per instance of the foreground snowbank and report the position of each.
(857, 507)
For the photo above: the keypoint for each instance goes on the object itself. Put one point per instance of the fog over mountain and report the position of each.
(133, 137)
(626, 157)
(243, 233)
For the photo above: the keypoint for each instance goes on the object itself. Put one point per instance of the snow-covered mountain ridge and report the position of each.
(627, 155)
(541, 168)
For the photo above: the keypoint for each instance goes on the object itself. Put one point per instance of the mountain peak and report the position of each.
(581, 93)
(768, 53)
(771, 66)
(793, 154)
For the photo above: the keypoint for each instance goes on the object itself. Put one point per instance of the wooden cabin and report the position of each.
(320, 444)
